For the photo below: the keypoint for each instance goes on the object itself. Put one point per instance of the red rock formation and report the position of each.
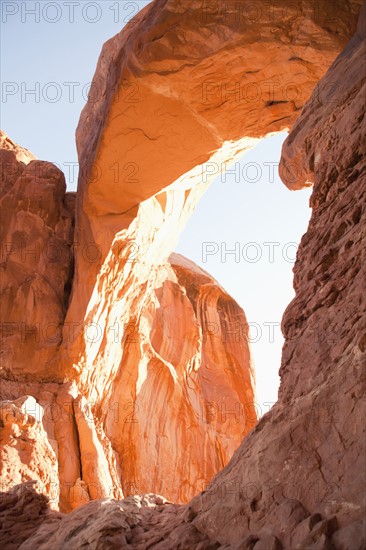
(185, 387)
(295, 482)
(13, 160)
(25, 451)
(130, 213)
(185, 396)
(307, 456)
(36, 263)
(143, 112)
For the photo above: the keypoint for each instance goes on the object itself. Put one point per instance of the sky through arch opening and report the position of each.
(245, 232)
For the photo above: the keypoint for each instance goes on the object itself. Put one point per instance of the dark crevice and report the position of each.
(75, 426)
(275, 102)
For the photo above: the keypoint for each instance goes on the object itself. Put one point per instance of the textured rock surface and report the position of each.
(136, 522)
(129, 210)
(25, 451)
(308, 455)
(22, 510)
(36, 234)
(185, 398)
(87, 465)
(189, 349)
(130, 214)
(296, 480)
(13, 160)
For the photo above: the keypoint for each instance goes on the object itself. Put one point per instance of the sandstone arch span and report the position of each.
(183, 84)
(172, 91)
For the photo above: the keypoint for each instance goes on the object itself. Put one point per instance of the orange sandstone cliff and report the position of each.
(174, 395)
(133, 396)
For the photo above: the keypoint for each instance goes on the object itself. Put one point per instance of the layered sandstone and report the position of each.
(296, 480)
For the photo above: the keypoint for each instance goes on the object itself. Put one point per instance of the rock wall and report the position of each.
(296, 480)
(305, 460)
(185, 398)
(37, 225)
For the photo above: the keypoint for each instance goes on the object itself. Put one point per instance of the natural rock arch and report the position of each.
(133, 225)
(183, 84)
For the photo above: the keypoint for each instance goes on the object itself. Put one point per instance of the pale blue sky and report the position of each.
(245, 209)
(36, 52)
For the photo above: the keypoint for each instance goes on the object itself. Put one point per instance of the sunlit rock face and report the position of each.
(185, 396)
(165, 401)
(184, 88)
(153, 365)
(149, 145)
(183, 399)
(13, 160)
(298, 480)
